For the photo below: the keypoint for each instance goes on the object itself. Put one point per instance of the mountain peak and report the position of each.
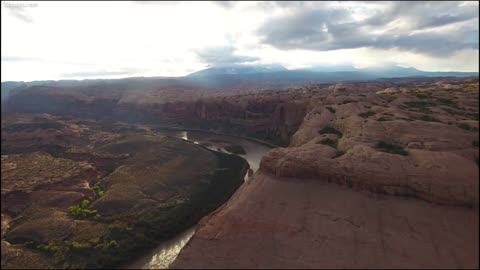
(237, 69)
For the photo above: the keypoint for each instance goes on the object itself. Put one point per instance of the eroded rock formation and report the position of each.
(376, 174)
(373, 178)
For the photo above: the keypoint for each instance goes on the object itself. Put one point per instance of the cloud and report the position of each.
(22, 16)
(224, 4)
(407, 26)
(159, 3)
(174, 38)
(18, 58)
(422, 14)
(217, 56)
(101, 73)
(19, 10)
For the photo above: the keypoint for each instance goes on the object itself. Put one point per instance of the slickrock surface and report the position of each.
(373, 178)
(432, 176)
(380, 174)
(295, 223)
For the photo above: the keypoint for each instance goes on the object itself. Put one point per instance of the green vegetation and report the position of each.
(391, 148)
(330, 130)
(98, 190)
(123, 238)
(52, 247)
(85, 203)
(92, 243)
(112, 244)
(366, 114)
(475, 144)
(80, 211)
(332, 110)
(235, 149)
(79, 245)
(329, 142)
(466, 127)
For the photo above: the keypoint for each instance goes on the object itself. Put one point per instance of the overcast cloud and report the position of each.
(220, 56)
(52, 40)
(406, 26)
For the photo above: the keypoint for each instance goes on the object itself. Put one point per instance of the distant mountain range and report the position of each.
(238, 69)
(315, 72)
(278, 76)
(240, 77)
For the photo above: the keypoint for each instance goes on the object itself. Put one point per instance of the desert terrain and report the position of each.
(373, 174)
(76, 194)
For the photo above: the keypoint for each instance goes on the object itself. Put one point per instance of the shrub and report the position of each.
(113, 244)
(466, 127)
(235, 149)
(366, 114)
(85, 203)
(94, 241)
(79, 245)
(421, 96)
(421, 106)
(418, 104)
(332, 110)
(330, 130)
(428, 118)
(75, 210)
(98, 190)
(471, 115)
(382, 119)
(329, 142)
(52, 247)
(117, 229)
(391, 148)
(80, 211)
(446, 101)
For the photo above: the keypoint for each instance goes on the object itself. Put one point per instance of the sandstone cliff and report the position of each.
(373, 178)
(270, 115)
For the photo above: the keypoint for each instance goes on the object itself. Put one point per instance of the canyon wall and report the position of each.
(371, 179)
(270, 116)
(372, 175)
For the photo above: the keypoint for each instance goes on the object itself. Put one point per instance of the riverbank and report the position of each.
(107, 196)
(163, 255)
(218, 133)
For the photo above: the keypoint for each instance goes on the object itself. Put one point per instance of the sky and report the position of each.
(83, 40)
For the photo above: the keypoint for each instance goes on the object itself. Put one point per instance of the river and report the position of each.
(164, 254)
